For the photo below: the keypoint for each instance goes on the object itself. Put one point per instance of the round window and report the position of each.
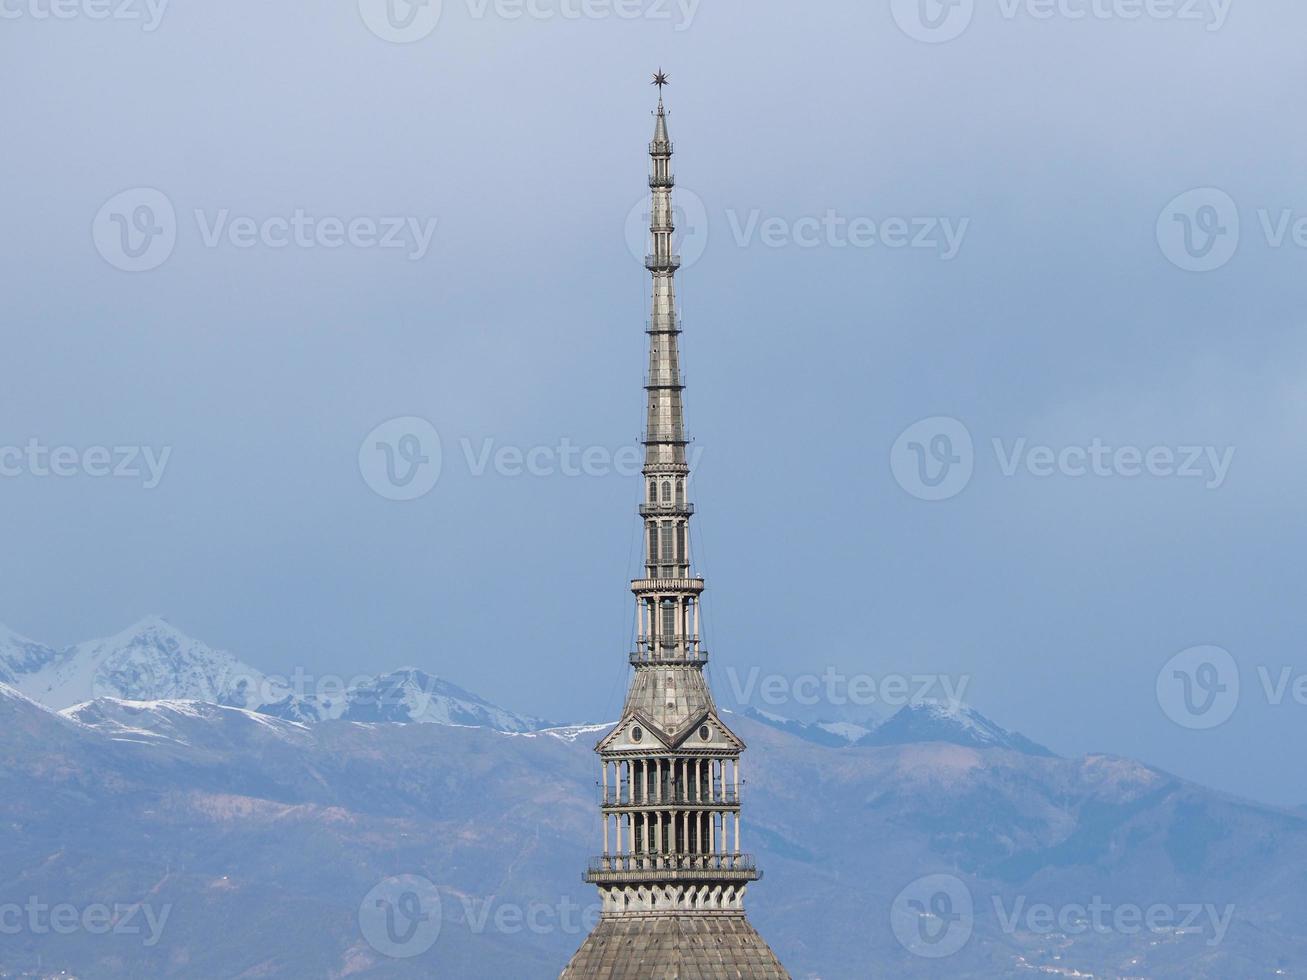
(704, 733)
(637, 733)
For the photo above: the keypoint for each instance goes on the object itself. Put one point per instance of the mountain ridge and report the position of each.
(247, 818)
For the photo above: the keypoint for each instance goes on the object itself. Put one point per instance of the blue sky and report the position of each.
(502, 153)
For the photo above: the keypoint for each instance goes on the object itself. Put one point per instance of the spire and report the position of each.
(660, 140)
(672, 874)
(665, 438)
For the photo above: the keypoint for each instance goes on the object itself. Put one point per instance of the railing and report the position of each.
(651, 510)
(735, 865)
(652, 262)
(651, 327)
(672, 586)
(646, 658)
(650, 382)
(724, 796)
(667, 641)
(656, 148)
(667, 181)
(666, 435)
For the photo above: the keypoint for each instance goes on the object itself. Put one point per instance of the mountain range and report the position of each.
(258, 843)
(152, 661)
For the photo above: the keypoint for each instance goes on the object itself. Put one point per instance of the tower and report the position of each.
(672, 875)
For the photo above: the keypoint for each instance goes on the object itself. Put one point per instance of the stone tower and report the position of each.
(672, 875)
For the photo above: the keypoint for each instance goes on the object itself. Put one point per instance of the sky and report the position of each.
(993, 337)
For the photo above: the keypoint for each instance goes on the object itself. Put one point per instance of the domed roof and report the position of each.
(675, 947)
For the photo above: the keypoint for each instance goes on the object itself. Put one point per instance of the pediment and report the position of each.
(636, 733)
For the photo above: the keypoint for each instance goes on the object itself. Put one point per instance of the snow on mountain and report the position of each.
(190, 723)
(935, 721)
(915, 722)
(153, 661)
(569, 733)
(836, 734)
(149, 661)
(15, 697)
(20, 656)
(406, 696)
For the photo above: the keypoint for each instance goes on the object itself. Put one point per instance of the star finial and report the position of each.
(660, 79)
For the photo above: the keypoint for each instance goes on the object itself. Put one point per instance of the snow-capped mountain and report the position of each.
(20, 657)
(197, 724)
(407, 695)
(149, 661)
(278, 832)
(153, 661)
(915, 722)
(935, 721)
(833, 733)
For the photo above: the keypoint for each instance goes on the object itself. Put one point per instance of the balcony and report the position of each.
(618, 868)
(656, 149)
(667, 642)
(665, 658)
(666, 586)
(679, 510)
(668, 181)
(665, 436)
(657, 263)
(679, 797)
(661, 382)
